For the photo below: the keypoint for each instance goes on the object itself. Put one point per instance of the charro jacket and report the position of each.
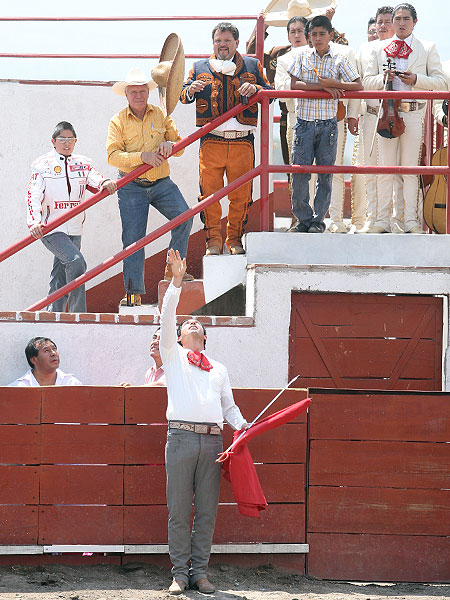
(220, 94)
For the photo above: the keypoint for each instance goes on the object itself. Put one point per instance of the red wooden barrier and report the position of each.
(86, 466)
(378, 497)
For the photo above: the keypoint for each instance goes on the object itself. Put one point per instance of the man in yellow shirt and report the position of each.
(141, 133)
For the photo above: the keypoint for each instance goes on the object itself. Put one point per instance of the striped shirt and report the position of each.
(333, 65)
(128, 136)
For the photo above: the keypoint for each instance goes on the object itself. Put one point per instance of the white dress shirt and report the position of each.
(193, 395)
(29, 380)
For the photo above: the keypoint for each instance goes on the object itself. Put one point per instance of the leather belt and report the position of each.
(410, 106)
(230, 135)
(404, 107)
(195, 427)
(140, 181)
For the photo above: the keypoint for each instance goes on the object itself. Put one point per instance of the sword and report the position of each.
(260, 414)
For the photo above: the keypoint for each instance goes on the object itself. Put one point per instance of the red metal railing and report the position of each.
(259, 34)
(263, 170)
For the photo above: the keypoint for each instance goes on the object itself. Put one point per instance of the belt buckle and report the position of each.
(229, 135)
(405, 107)
(201, 428)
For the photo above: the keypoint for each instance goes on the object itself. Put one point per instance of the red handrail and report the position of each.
(263, 170)
(120, 183)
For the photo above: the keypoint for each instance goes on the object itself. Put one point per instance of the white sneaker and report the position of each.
(337, 228)
(395, 228)
(377, 229)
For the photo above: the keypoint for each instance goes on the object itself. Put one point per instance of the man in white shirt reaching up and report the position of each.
(199, 399)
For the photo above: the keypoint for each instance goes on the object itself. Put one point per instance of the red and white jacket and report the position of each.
(58, 183)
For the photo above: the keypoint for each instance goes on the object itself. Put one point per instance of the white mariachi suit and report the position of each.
(364, 187)
(58, 183)
(405, 150)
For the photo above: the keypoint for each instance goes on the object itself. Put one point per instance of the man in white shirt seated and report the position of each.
(155, 375)
(199, 399)
(43, 358)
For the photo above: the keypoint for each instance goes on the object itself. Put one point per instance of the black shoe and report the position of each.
(316, 228)
(299, 228)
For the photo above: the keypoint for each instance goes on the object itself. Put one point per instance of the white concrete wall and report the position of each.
(27, 119)
(255, 356)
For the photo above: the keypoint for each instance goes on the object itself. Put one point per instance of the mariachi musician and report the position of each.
(417, 67)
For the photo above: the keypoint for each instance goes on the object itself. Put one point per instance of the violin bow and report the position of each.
(389, 65)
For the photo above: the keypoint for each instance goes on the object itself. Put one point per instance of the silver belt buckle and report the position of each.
(404, 107)
(201, 428)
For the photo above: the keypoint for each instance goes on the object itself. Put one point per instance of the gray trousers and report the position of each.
(192, 476)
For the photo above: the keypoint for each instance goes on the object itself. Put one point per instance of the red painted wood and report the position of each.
(19, 485)
(365, 315)
(366, 341)
(280, 483)
(144, 484)
(145, 444)
(366, 358)
(378, 511)
(20, 444)
(285, 444)
(280, 523)
(81, 484)
(148, 405)
(384, 464)
(145, 405)
(378, 557)
(80, 525)
(83, 404)
(418, 417)
(82, 444)
(252, 401)
(19, 405)
(145, 524)
(192, 296)
(18, 525)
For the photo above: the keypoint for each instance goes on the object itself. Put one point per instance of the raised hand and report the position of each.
(178, 265)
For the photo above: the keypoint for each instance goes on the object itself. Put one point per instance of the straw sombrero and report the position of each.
(278, 12)
(169, 73)
(134, 77)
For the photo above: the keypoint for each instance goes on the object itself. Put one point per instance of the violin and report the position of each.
(390, 125)
(435, 201)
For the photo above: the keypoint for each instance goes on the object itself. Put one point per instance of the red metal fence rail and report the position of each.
(263, 170)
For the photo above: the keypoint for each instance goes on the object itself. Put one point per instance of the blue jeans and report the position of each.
(313, 140)
(134, 202)
(68, 264)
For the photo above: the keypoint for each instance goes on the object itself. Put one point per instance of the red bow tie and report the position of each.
(199, 360)
(398, 48)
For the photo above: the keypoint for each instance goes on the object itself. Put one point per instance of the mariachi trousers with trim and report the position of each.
(404, 150)
(233, 158)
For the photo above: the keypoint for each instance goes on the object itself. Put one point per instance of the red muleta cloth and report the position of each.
(238, 464)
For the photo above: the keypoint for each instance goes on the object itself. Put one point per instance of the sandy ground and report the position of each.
(143, 582)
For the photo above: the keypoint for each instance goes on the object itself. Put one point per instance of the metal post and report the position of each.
(264, 158)
(447, 229)
(260, 32)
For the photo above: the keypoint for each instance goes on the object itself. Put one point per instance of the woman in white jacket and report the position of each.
(58, 183)
(418, 67)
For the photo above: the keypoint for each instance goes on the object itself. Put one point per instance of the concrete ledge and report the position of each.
(116, 319)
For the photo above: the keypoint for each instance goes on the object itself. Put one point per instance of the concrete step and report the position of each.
(144, 309)
(223, 272)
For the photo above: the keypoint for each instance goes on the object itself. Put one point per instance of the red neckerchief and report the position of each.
(199, 360)
(398, 48)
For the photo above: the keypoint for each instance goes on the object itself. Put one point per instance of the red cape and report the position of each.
(238, 464)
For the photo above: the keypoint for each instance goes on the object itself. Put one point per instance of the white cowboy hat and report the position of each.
(278, 12)
(134, 77)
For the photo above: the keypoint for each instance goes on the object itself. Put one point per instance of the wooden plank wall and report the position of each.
(85, 465)
(378, 486)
